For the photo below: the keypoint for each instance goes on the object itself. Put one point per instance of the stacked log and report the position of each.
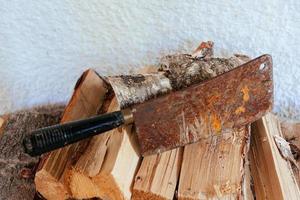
(109, 166)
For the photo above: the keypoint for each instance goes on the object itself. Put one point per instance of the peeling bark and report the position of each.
(175, 72)
(131, 89)
(183, 70)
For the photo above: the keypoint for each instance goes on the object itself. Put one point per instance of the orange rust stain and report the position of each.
(212, 99)
(216, 123)
(245, 91)
(240, 110)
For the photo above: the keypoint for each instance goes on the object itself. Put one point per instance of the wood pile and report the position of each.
(248, 163)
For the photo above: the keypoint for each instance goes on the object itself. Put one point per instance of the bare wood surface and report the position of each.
(247, 183)
(100, 170)
(90, 177)
(51, 178)
(272, 174)
(158, 175)
(214, 168)
(210, 166)
(91, 160)
(103, 174)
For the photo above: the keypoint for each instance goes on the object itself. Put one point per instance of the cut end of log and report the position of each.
(142, 195)
(49, 187)
(101, 186)
(100, 170)
(52, 176)
(109, 189)
(77, 180)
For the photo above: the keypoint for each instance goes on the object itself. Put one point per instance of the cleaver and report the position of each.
(231, 100)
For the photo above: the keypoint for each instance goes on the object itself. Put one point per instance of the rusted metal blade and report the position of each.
(231, 100)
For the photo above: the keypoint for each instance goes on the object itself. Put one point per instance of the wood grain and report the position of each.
(52, 177)
(158, 175)
(107, 168)
(272, 174)
(214, 168)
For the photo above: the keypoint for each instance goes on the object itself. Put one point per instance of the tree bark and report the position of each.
(176, 72)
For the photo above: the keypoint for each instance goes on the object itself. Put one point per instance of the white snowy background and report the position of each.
(46, 45)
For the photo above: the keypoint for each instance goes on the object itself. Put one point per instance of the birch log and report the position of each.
(175, 72)
(52, 177)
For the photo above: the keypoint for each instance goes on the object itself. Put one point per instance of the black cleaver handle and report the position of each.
(57, 136)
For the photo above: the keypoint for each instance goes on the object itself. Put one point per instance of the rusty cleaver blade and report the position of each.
(206, 109)
(231, 100)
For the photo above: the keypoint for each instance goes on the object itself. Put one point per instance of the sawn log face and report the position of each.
(234, 99)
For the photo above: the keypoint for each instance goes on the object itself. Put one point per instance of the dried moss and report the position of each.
(13, 161)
